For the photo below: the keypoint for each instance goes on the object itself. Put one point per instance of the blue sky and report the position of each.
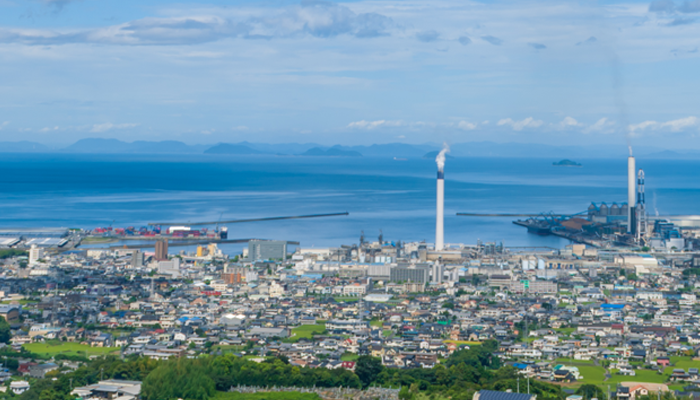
(555, 72)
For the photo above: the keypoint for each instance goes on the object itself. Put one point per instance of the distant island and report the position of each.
(566, 163)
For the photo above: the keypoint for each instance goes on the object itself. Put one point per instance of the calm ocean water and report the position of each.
(395, 196)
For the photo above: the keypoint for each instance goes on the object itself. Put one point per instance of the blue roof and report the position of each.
(612, 306)
(494, 395)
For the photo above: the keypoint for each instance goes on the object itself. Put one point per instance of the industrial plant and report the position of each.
(626, 224)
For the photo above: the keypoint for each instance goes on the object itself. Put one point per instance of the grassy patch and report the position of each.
(22, 301)
(387, 332)
(591, 374)
(52, 348)
(376, 323)
(266, 396)
(306, 332)
(346, 299)
(461, 342)
(683, 362)
(349, 357)
(640, 375)
(565, 331)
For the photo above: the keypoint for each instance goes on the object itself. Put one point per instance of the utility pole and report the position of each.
(518, 384)
(528, 384)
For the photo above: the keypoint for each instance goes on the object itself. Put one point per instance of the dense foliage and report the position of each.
(463, 373)
(5, 331)
(9, 253)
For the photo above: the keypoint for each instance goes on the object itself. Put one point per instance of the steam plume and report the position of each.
(630, 147)
(440, 159)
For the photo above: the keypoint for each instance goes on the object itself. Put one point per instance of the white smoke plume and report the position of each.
(440, 159)
(630, 148)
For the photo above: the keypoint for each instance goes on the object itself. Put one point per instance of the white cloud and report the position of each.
(467, 126)
(528, 122)
(48, 129)
(97, 128)
(4, 124)
(680, 124)
(602, 125)
(240, 128)
(376, 124)
(675, 125)
(568, 122)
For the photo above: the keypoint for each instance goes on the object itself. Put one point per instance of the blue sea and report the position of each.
(396, 197)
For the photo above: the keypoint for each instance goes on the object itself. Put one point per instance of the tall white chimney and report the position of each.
(440, 215)
(631, 193)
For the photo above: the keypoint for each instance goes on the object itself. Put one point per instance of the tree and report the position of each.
(367, 368)
(5, 334)
(589, 391)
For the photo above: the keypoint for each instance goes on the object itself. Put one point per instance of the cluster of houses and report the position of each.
(576, 305)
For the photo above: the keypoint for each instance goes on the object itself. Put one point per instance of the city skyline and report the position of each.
(351, 72)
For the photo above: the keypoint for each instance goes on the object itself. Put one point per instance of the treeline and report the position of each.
(462, 374)
(9, 253)
(109, 367)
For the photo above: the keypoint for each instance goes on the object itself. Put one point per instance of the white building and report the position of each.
(35, 254)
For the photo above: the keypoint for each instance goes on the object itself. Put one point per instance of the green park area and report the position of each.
(595, 374)
(52, 348)
(306, 332)
(463, 342)
(266, 396)
(346, 299)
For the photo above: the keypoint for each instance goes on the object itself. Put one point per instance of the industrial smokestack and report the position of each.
(631, 193)
(440, 216)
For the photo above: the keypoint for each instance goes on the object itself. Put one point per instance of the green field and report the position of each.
(306, 332)
(640, 375)
(566, 331)
(22, 302)
(376, 323)
(461, 342)
(346, 299)
(266, 396)
(591, 374)
(51, 348)
(682, 362)
(349, 357)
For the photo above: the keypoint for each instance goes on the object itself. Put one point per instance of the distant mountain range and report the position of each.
(401, 150)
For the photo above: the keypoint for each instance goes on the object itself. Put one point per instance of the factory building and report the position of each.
(267, 250)
(416, 274)
(605, 214)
